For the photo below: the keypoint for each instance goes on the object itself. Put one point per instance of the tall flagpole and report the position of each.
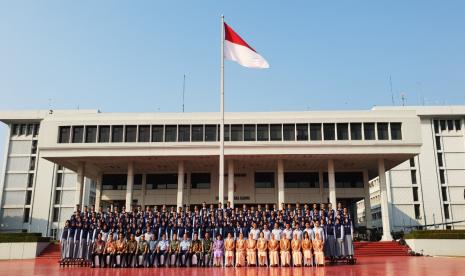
(221, 172)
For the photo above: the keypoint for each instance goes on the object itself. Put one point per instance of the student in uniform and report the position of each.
(64, 241)
(348, 238)
(70, 241)
(330, 244)
(277, 232)
(262, 247)
(266, 232)
(273, 247)
(254, 231)
(287, 232)
(339, 236)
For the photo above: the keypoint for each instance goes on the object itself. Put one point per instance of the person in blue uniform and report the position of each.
(348, 238)
(339, 235)
(330, 243)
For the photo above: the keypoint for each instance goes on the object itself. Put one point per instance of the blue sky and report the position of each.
(131, 55)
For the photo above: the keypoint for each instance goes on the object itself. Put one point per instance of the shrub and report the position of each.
(22, 237)
(436, 234)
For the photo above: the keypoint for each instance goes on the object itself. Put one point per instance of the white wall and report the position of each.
(438, 247)
(21, 250)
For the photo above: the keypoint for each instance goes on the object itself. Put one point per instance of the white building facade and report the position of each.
(428, 190)
(144, 159)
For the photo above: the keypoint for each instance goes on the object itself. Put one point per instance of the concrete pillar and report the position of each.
(367, 200)
(281, 198)
(320, 183)
(180, 184)
(143, 190)
(187, 195)
(332, 182)
(98, 192)
(384, 201)
(129, 186)
(231, 182)
(79, 185)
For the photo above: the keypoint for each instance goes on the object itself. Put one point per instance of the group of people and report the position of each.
(208, 236)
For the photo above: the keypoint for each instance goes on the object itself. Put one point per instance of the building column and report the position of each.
(129, 186)
(144, 190)
(98, 192)
(332, 183)
(180, 184)
(281, 198)
(384, 201)
(367, 199)
(320, 183)
(79, 185)
(231, 182)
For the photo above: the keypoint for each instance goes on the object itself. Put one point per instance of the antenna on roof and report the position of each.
(183, 91)
(50, 110)
(402, 96)
(420, 92)
(390, 87)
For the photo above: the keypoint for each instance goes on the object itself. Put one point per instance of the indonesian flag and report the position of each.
(236, 49)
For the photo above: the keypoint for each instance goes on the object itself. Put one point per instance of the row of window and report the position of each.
(261, 180)
(440, 126)
(449, 125)
(25, 129)
(239, 132)
(413, 177)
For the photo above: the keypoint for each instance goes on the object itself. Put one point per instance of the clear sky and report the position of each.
(131, 55)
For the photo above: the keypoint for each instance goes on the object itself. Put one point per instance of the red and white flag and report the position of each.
(236, 49)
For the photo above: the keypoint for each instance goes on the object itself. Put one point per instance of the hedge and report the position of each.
(22, 237)
(436, 234)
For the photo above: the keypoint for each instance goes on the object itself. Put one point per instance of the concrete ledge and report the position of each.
(438, 247)
(21, 250)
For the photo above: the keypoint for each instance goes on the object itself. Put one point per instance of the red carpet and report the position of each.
(372, 266)
(369, 249)
(51, 252)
